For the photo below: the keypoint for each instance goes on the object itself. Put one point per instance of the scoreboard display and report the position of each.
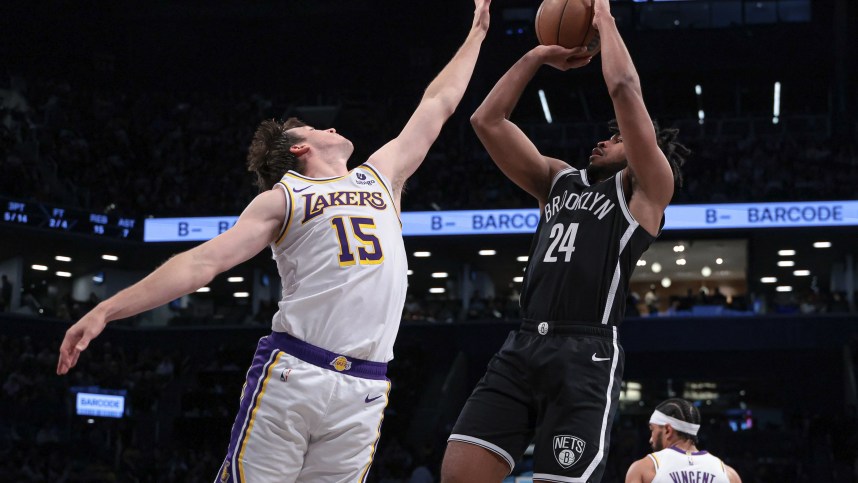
(55, 218)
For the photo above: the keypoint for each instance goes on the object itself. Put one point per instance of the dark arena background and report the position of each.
(123, 134)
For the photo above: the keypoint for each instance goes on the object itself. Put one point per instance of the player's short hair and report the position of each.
(674, 151)
(683, 411)
(268, 155)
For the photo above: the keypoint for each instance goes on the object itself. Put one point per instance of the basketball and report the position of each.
(568, 23)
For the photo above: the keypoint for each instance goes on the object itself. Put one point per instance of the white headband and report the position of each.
(661, 419)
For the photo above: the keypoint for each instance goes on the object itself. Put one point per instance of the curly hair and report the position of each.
(675, 152)
(683, 411)
(269, 156)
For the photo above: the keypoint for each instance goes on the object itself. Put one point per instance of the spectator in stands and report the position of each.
(632, 301)
(718, 298)
(5, 294)
(651, 300)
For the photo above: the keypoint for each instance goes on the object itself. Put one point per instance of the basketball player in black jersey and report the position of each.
(556, 382)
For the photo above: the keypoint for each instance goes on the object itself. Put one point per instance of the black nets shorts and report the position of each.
(556, 386)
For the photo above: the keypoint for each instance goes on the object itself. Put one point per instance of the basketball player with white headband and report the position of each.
(674, 426)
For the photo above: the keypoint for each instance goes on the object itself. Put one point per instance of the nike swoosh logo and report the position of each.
(600, 359)
(296, 190)
(368, 400)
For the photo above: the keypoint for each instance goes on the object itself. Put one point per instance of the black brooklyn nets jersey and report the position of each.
(583, 254)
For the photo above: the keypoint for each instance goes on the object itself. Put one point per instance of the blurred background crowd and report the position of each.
(147, 109)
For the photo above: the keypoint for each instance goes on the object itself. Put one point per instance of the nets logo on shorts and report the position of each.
(341, 364)
(568, 449)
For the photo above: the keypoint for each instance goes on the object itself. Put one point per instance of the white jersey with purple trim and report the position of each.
(673, 465)
(342, 263)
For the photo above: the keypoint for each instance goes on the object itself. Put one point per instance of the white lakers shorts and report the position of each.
(306, 415)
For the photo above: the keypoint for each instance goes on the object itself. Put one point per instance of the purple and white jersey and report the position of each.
(672, 465)
(342, 263)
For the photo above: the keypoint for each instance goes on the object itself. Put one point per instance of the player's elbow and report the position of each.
(207, 273)
(481, 120)
(203, 268)
(624, 85)
(478, 120)
(443, 102)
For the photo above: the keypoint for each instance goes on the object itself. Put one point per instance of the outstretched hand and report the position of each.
(481, 15)
(562, 58)
(77, 339)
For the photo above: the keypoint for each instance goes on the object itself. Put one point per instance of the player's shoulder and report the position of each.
(374, 171)
(559, 168)
(291, 177)
(568, 176)
(642, 470)
(268, 204)
(732, 474)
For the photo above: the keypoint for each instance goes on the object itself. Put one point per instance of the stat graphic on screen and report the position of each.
(31, 214)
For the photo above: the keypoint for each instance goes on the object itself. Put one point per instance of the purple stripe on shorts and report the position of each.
(327, 359)
(261, 360)
(257, 370)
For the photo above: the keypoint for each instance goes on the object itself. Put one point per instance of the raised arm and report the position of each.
(256, 228)
(650, 170)
(400, 158)
(509, 147)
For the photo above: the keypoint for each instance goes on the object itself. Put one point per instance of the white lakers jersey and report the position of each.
(673, 465)
(342, 264)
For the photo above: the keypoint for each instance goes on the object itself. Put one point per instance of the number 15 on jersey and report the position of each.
(368, 246)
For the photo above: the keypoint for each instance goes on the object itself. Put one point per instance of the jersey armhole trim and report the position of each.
(584, 177)
(385, 183)
(621, 194)
(557, 176)
(289, 207)
(654, 459)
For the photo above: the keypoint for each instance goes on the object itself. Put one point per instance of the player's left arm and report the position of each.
(400, 158)
(647, 165)
(641, 471)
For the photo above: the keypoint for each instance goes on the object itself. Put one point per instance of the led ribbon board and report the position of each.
(502, 222)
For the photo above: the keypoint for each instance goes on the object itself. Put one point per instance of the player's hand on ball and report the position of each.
(562, 58)
(77, 339)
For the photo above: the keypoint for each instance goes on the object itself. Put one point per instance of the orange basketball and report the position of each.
(568, 23)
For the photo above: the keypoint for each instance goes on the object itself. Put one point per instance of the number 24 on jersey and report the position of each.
(562, 241)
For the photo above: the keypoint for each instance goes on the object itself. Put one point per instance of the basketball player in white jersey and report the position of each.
(673, 426)
(313, 403)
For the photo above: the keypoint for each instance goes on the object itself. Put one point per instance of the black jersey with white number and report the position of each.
(583, 254)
